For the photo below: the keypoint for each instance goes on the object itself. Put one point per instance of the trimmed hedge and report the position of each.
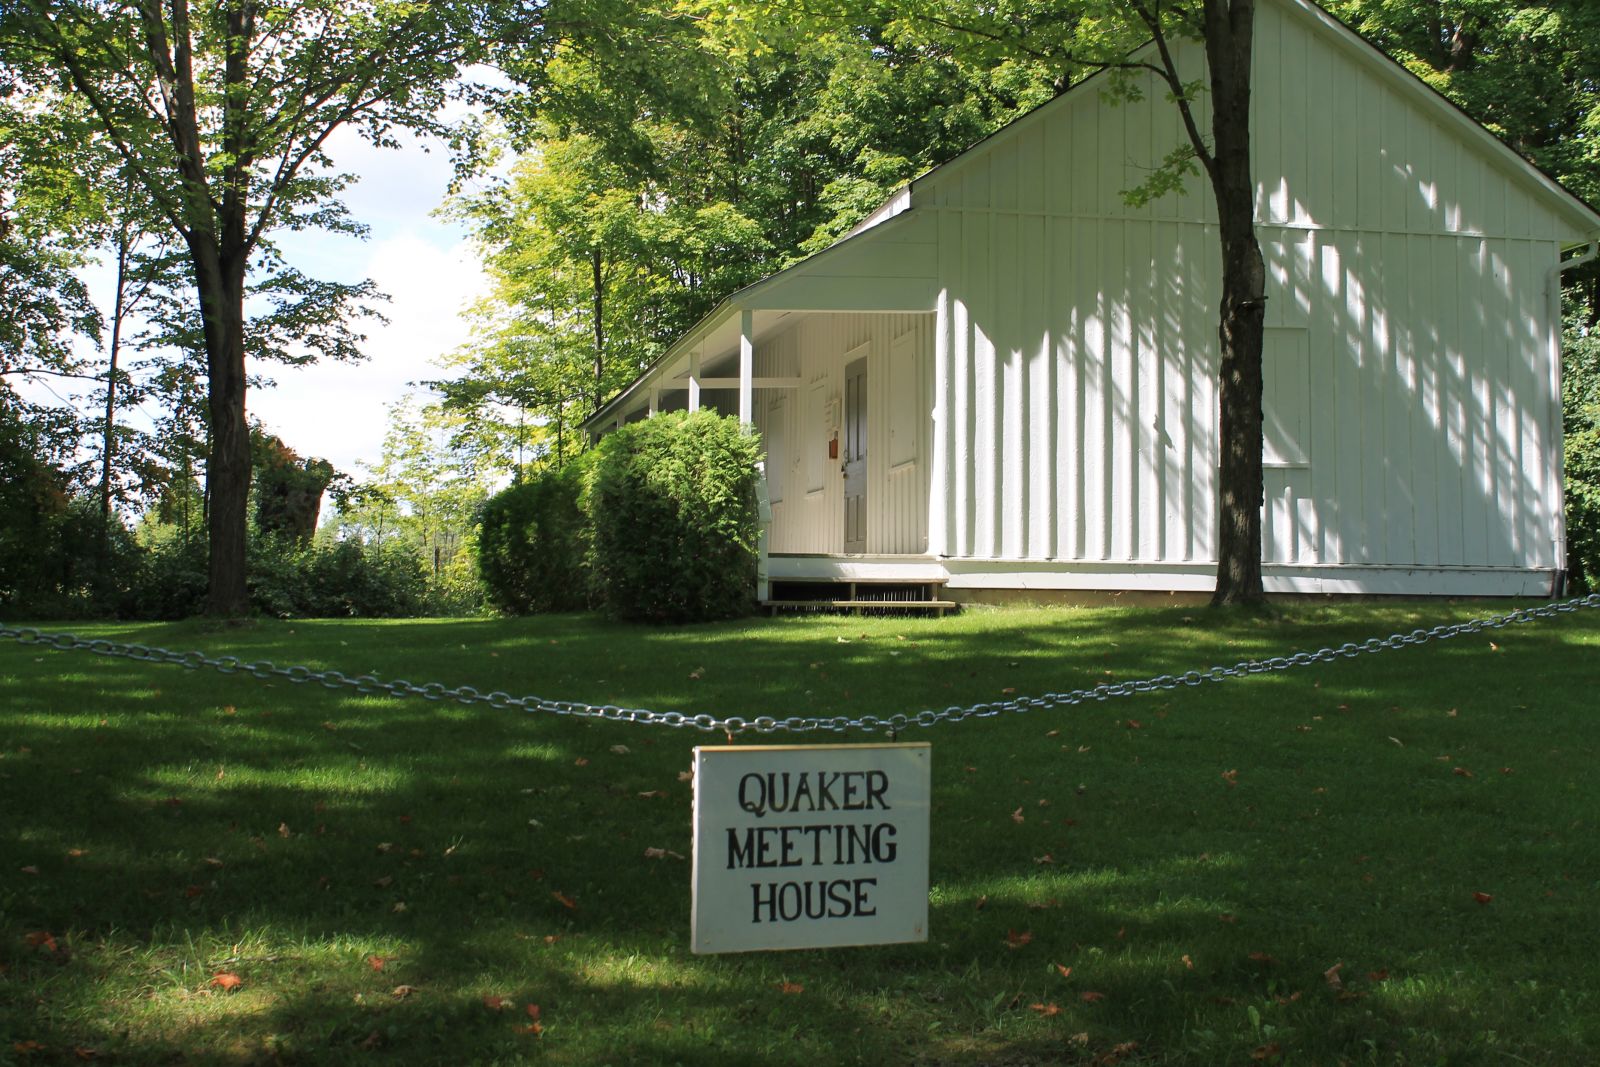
(533, 540)
(674, 518)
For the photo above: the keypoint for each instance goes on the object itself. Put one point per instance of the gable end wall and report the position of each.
(1409, 352)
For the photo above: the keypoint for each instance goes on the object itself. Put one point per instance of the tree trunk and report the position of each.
(220, 282)
(108, 429)
(599, 331)
(1240, 495)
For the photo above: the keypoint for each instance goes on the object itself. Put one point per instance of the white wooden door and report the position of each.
(855, 456)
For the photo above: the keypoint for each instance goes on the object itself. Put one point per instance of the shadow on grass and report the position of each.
(1188, 855)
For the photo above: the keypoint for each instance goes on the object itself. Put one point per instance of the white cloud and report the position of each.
(339, 411)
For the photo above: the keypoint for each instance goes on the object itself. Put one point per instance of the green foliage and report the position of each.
(347, 579)
(288, 490)
(339, 579)
(57, 556)
(533, 542)
(675, 524)
(425, 491)
(1580, 396)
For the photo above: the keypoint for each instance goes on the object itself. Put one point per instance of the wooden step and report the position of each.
(939, 607)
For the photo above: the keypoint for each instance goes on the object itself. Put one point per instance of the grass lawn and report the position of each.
(1168, 878)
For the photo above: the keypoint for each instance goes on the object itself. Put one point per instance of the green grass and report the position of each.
(184, 824)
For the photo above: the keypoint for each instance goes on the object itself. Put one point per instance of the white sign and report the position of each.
(810, 846)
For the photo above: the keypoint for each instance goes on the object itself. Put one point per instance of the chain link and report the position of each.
(795, 724)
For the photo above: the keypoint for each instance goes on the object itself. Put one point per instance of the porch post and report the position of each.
(694, 379)
(655, 402)
(747, 363)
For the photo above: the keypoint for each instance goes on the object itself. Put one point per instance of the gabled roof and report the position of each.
(1546, 189)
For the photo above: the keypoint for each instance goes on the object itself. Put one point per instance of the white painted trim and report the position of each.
(747, 364)
(1197, 577)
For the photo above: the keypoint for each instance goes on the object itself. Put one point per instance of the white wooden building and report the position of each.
(1005, 377)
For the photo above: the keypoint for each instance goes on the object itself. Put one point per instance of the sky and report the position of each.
(339, 412)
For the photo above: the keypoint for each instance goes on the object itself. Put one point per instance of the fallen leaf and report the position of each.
(1126, 1048)
(1187, 962)
(385, 882)
(1381, 975)
(283, 829)
(212, 861)
(1482, 897)
(685, 776)
(1226, 918)
(1017, 940)
(377, 962)
(1046, 1010)
(1231, 777)
(565, 901)
(787, 986)
(581, 761)
(661, 854)
(30, 869)
(1331, 976)
(1089, 996)
(1135, 724)
(1262, 957)
(1065, 972)
(226, 980)
(620, 750)
(1044, 859)
(494, 1003)
(1267, 1052)
(399, 907)
(83, 1053)
(981, 903)
(40, 939)
(77, 853)
(1053, 733)
(700, 672)
(194, 891)
(1461, 772)
(1016, 817)
(400, 992)
(26, 1048)
(651, 794)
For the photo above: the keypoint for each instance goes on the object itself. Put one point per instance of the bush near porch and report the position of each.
(659, 523)
(674, 519)
(533, 542)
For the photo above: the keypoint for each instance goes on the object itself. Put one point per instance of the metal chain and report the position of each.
(367, 683)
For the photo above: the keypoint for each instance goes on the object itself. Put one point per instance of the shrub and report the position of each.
(171, 582)
(672, 504)
(339, 580)
(533, 540)
(345, 579)
(1580, 386)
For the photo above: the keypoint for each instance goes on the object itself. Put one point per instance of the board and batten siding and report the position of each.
(805, 485)
(1409, 336)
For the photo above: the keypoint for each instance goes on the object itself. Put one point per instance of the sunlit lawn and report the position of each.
(1161, 879)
